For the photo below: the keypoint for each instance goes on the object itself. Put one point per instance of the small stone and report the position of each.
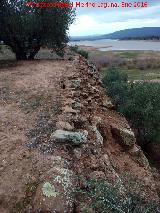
(76, 83)
(128, 137)
(135, 150)
(64, 125)
(84, 95)
(108, 104)
(77, 105)
(77, 153)
(138, 155)
(97, 175)
(76, 138)
(68, 109)
(124, 136)
(69, 101)
(1, 168)
(99, 138)
(97, 120)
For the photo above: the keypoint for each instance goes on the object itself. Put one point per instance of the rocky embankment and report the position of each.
(89, 140)
(97, 141)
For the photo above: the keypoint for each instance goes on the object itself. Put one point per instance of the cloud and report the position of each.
(103, 21)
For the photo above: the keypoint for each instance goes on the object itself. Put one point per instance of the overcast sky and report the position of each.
(93, 21)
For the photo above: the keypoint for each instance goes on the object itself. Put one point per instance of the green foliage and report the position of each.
(113, 76)
(129, 54)
(139, 102)
(75, 49)
(83, 53)
(116, 83)
(107, 198)
(143, 110)
(26, 29)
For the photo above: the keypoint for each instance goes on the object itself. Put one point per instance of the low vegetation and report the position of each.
(139, 65)
(104, 197)
(138, 102)
(76, 49)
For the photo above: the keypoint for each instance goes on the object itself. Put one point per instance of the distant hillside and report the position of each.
(135, 33)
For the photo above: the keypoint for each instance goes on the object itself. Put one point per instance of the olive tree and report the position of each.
(25, 29)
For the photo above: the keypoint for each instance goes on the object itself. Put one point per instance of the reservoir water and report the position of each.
(108, 45)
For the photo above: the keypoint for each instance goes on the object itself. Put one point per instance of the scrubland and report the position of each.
(139, 65)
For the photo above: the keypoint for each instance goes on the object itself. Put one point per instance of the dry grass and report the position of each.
(139, 65)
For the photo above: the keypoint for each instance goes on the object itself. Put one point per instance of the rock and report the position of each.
(84, 95)
(95, 89)
(128, 137)
(76, 138)
(135, 150)
(77, 105)
(68, 109)
(78, 152)
(93, 71)
(69, 101)
(92, 66)
(64, 125)
(97, 120)
(57, 193)
(99, 138)
(89, 100)
(76, 83)
(108, 104)
(138, 156)
(124, 136)
(57, 160)
(79, 122)
(97, 175)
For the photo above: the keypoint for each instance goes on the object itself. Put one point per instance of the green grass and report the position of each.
(136, 74)
(128, 54)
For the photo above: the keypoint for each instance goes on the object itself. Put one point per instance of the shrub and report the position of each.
(139, 102)
(83, 53)
(142, 108)
(75, 49)
(114, 76)
(146, 63)
(115, 83)
(107, 61)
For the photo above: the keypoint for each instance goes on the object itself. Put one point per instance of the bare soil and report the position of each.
(30, 100)
(34, 97)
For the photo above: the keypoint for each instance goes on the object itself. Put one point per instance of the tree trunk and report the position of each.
(21, 56)
(34, 52)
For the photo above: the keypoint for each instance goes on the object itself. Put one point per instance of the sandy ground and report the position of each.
(30, 99)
